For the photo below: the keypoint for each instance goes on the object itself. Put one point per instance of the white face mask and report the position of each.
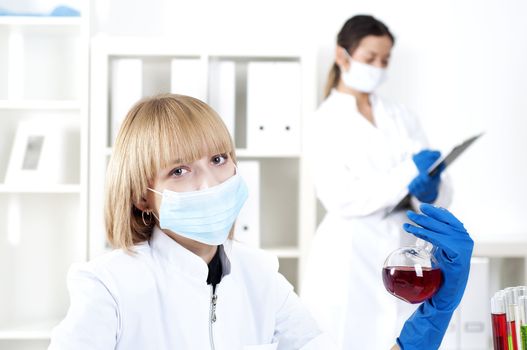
(362, 77)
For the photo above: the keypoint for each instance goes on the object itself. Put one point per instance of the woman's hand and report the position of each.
(425, 187)
(424, 159)
(426, 327)
(453, 250)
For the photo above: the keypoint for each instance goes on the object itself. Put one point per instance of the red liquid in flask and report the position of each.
(499, 332)
(405, 283)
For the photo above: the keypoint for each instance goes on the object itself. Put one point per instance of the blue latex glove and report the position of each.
(453, 248)
(424, 187)
(424, 159)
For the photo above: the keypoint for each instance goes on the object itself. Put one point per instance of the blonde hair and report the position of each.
(156, 132)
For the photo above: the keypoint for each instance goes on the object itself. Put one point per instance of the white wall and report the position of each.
(460, 65)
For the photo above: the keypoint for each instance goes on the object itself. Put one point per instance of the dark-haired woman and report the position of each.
(373, 153)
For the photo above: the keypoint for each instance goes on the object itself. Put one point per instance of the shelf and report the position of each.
(253, 55)
(501, 246)
(160, 46)
(39, 21)
(133, 46)
(284, 252)
(44, 77)
(42, 189)
(40, 105)
(38, 331)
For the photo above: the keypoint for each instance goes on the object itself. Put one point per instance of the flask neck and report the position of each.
(421, 243)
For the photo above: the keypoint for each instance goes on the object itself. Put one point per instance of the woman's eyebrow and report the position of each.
(170, 166)
(375, 53)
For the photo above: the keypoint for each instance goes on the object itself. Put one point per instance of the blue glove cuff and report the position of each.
(425, 328)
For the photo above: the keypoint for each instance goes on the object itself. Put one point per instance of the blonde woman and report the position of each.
(176, 279)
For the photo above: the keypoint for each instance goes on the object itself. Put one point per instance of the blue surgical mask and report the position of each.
(206, 215)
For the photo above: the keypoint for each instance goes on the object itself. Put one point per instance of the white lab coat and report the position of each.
(159, 299)
(360, 171)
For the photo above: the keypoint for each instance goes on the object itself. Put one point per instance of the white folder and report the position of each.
(248, 222)
(186, 77)
(469, 328)
(15, 63)
(274, 107)
(156, 76)
(222, 91)
(452, 335)
(475, 308)
(127, 89)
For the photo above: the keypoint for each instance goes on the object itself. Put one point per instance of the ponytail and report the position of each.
(333, 79)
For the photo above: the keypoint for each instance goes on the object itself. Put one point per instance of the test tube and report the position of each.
(512, 313)
(520, 291)
(522, 301)
(499, 322)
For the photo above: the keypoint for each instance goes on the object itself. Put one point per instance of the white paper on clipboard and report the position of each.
(444, 162)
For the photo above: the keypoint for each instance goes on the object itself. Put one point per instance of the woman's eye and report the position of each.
(178, 172)
(219, 159)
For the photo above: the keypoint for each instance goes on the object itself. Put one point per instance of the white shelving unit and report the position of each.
(44, 75)
(287, 203)
(45, 105)
(32, 21)
(36, 189)
(508, 259)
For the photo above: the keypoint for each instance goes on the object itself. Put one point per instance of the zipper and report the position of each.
(212, 314)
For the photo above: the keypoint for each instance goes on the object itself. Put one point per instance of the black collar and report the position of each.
(215, 269)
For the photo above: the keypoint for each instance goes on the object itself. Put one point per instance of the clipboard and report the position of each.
(435, 168)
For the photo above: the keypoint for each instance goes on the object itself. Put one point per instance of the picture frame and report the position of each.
(36, 155)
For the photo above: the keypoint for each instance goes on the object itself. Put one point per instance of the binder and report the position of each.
(274, 107)
(222, 91)
(126, 90)
(186, 77)
(247, 228)
(469, 328)
(156, 76)
(474, 308)
(15, 64)
(452, 335)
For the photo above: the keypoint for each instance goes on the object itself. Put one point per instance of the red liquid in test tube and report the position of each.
(499, 332)
(500, 325)
(512, 325)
